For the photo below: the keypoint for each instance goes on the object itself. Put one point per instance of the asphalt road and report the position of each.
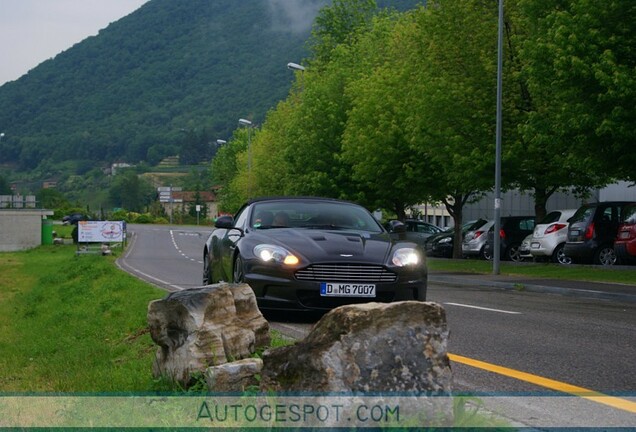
(589, 344)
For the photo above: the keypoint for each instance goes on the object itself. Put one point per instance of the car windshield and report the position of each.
(583, 214)
(475, 225)
(551, 217)
(312, 214)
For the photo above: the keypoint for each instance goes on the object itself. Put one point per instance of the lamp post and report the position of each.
(220, 142)
(248, 124)
(295, 66)
(1, 135)
(496, 239)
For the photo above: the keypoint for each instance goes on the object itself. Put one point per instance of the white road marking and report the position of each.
(137, 272)
(174, 242)
(483, 308)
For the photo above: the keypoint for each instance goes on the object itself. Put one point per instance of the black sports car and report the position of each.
(313, 253)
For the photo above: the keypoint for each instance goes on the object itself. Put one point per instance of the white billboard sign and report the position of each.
(100, 231)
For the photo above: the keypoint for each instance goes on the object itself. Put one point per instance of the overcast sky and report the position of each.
(32, 31)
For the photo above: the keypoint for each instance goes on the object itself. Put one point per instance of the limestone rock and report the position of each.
(372, 347)
(203, 327)
(235, 376)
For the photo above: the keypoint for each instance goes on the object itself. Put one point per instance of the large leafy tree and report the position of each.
(377, 140)
(308, 128)
(338, 24)
(454, 111)
(566, 97)
(585, 54)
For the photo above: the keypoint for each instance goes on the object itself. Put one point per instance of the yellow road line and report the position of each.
(584, 393)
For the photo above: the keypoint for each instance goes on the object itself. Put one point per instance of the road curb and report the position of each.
(529, 287)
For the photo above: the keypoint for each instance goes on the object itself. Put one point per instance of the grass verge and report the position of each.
(73, 323)
(618, 274)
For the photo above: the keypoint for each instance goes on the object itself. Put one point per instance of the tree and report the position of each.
(225, 171)
(51, 199)
(5, 189)
(377, 142)
(131, 192)
(541, 155)
(338, 23)
(203, 207)
(453, 120)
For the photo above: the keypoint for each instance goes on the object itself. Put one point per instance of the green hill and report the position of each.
(168, 75)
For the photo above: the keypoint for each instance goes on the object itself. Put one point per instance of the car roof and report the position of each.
(296, 198)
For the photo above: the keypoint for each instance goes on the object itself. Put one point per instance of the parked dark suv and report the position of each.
(592, 231)
(512, 232)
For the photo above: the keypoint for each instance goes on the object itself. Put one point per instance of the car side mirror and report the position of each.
(396, 226)
(226, 222)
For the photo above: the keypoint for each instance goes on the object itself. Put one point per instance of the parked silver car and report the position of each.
(524, 249)
(550, 236)
(474, 241)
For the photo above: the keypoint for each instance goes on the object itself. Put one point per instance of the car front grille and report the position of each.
(346, 273)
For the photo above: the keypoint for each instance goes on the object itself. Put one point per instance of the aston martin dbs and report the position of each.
(307, 253)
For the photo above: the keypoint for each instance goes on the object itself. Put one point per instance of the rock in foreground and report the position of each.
(203, 327)
(373, 347)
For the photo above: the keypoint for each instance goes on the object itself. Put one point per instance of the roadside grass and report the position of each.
(73, 323)
(64, 231)
(617, 274)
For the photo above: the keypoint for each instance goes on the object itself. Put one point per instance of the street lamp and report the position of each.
(220, 142)
(497, 228)
(1, 135)
(295, 66)
(248, 124)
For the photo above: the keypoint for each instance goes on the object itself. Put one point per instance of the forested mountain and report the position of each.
(129, 93)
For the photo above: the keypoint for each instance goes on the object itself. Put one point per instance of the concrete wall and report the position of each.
(21, 229)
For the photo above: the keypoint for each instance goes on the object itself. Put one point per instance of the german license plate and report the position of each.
(575, 233)
(336, 289)
(623, 235)
(535, 245)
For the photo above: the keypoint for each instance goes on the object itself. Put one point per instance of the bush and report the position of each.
(144, 219)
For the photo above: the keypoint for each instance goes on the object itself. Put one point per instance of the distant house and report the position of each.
(119, 165)
(181, 201)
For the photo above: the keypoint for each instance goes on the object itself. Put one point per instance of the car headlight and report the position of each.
(406, 256)
(273, 253)
(446, 240)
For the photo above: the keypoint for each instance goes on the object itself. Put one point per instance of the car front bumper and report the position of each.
(280, 289)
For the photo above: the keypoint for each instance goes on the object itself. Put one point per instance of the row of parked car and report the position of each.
(601, 233)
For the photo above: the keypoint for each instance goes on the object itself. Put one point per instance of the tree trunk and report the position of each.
(456, 211)
(541, 196)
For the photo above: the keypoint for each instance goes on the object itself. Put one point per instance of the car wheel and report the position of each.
(207, 273)
(559, 256)
(513, 253)
(605, 255)
(238, 273)
(486, 254)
